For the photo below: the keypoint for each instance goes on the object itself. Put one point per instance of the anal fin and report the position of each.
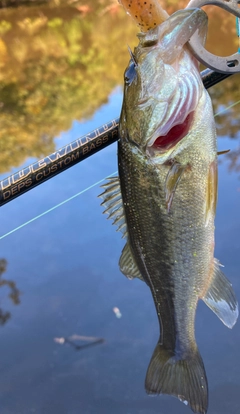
(220, 297)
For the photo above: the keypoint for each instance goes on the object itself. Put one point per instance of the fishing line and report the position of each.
(83, 191)
(56, 206)
(228, 107)
(238, 32)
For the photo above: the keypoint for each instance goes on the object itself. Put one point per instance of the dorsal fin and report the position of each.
(112, 200)
(223, 152)
(128, 265)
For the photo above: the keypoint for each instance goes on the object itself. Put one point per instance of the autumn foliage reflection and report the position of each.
(54, 62)
(53, 65)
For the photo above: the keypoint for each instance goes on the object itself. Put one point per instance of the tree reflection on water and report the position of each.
(226, 103)
(54, 61)
(13, 295)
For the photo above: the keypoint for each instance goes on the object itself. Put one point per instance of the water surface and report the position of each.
(65, 264)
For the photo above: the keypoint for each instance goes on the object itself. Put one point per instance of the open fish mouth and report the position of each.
(165, 142)
(177, 112)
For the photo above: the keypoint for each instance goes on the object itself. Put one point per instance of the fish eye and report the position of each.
(130, 73)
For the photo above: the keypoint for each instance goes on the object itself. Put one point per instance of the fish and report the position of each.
(164, 201)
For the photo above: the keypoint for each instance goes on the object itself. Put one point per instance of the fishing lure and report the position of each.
(149, 13)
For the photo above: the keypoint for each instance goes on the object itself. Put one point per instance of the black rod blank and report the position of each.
(74, 152)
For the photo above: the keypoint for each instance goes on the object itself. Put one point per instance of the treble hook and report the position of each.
(228, 64)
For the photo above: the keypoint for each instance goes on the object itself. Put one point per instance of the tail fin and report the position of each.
(182, 378)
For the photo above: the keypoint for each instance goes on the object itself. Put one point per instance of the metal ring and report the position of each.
(229, 5)
(228, 64)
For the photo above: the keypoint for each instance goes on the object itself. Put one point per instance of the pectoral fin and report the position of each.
(172, 180)
(112, 200)
(221, 299)
(211, 197)
(128, 265)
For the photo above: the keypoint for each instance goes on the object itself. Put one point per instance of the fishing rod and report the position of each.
(74, 152)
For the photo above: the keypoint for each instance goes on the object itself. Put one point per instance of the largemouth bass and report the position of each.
(164, 201)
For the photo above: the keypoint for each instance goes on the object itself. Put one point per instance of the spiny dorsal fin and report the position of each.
(223, 152)
(128, 265)
(221, 299)
(112, 200)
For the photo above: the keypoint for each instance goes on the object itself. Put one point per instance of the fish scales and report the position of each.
(165, 199)
(171, 248)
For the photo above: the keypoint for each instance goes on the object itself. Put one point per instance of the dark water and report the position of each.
(65, 265)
